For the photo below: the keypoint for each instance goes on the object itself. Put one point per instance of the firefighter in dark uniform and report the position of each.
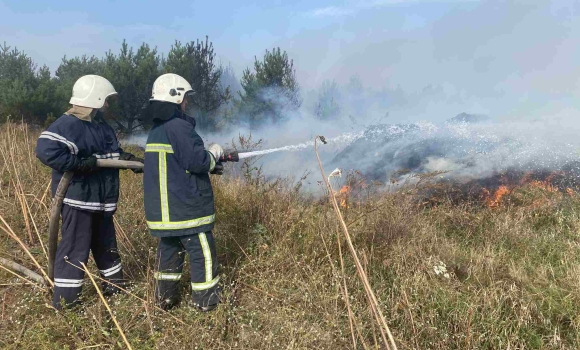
(74, 142)
(179, 202)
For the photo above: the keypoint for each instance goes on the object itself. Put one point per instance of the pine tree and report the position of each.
(270, 89)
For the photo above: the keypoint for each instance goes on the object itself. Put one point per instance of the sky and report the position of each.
(499, 57)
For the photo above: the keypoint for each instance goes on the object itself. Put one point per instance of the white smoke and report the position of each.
(467, 150)
(464, 150)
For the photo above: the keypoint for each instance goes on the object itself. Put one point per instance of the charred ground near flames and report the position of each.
(469, 158)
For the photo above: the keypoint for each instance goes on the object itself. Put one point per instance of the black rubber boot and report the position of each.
(207, 308)
(207, 300)
(110, 290)
(169, 303)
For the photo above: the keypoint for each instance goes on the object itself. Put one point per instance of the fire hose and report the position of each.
(56, 205)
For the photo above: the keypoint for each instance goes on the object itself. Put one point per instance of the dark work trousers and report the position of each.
(203, 267)
(83, 231)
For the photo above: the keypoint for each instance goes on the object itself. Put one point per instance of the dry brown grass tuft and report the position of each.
(447, 276)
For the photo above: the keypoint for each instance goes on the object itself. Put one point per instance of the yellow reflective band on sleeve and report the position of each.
(211, 161)
(177, 225)
(206, 256)
(165, 276)
(159, 147)
(205, 285)
(163, 186)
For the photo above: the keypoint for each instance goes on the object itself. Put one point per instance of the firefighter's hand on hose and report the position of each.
(216, 151)
(132, 158)
(218, 169)
(87, 165)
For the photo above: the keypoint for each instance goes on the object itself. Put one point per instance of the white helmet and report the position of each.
(170, 88)
(91, 91)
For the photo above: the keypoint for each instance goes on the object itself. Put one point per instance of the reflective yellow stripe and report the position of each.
(165, 276)
(205, 285)
(207, 256)
(165, 223)
(211, 161)
(176, 225)
(162, 149)
(159, 147)
(163, 186)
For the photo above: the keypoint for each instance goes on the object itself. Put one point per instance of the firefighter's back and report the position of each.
(177, 201)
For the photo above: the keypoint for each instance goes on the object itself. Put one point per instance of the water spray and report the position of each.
(344, 138)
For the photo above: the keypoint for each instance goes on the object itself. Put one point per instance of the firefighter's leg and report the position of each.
(73, 248)
(170, 257)
(204, 270)
(105, 252)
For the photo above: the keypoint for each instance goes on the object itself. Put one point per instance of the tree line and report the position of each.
(219, 100)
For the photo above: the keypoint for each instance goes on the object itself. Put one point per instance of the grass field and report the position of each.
(448, 276)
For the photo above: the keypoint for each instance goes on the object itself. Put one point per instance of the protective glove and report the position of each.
(132, 158)
(218, 169)
(216, 151)
(87, 165)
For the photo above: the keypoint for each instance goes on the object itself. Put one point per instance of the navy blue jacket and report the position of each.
(178, 194)
(70, 139)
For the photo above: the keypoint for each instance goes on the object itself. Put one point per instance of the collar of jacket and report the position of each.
(160, 112)
(99, 117)
(83, 113)
(179, 114)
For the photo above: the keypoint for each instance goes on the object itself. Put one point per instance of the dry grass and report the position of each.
(447, 277)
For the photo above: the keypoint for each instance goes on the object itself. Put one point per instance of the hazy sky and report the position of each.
(523, 52)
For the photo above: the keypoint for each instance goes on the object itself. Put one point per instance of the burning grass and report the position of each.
(451, 275)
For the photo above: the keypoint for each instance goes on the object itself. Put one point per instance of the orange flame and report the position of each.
(545, 185)
(345, 189)
(493, 201)
(343, 195)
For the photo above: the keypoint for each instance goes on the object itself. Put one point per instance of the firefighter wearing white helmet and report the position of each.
(91, 91)
(179, 201)
(74, 142)
(170, 88)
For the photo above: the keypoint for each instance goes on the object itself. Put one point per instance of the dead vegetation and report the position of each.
(446, 275)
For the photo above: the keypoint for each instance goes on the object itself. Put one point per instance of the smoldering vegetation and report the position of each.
(383, 143)
(467, 149)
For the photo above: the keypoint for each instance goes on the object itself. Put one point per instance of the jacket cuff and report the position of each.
(212, 161)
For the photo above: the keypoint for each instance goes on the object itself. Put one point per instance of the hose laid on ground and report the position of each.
(56, 205)
(53, 222)
(26, 272)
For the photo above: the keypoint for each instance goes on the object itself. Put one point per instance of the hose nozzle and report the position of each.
(230, 156)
